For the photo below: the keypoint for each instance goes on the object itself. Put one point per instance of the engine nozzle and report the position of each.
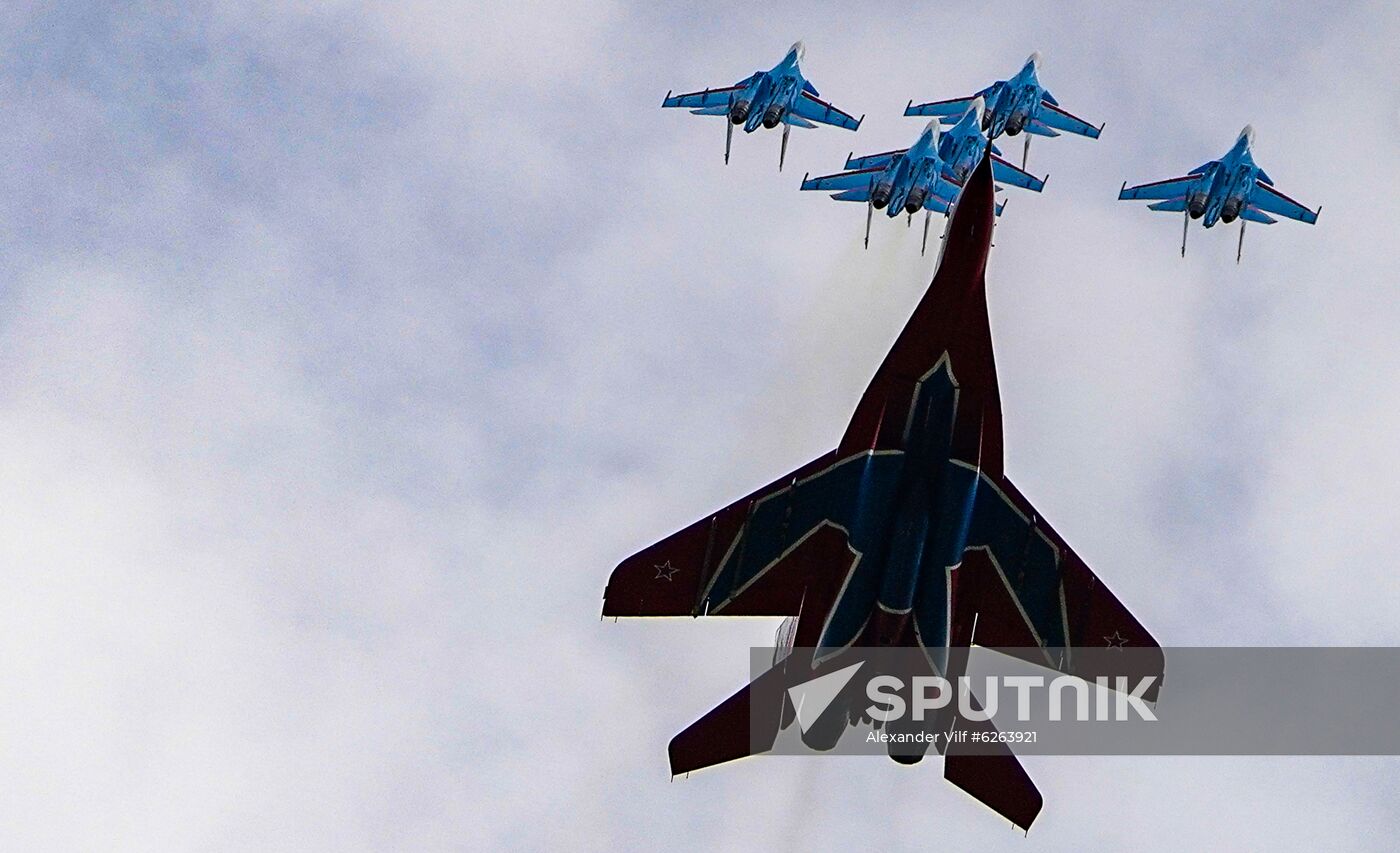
(739, 112)
(772, 116)
(1196, 205)
(915, 200)
(880, 196)
(1015, 124)
(1231, 211)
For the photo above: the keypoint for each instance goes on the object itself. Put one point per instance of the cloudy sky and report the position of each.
(345, 348)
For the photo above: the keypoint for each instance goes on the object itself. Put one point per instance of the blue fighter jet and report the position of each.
(1233, 187)
(768, 98)
(928, 175)
(961, 148)
(1014, 105)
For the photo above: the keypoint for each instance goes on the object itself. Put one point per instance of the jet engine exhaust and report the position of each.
(772, 117)
(739, 113)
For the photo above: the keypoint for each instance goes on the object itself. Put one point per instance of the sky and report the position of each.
(345, 348)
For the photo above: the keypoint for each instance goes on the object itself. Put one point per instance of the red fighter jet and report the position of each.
(908, 534)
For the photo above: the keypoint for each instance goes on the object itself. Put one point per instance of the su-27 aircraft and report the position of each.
(909, 533)
(1015, 105)
(927, 175)
(780, 95)
(1233, 187)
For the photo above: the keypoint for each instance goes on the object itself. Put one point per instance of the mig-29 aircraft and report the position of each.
(1014, 105)
(781, 95)
(928, 175)
(1221, 191)
(908, 534)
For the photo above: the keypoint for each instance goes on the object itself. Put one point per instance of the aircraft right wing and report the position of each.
(1006, 173)
(1270, 200)
(1052, 116)
(1030, 590)
(812, 108)
(1168, 189)
(853, 180)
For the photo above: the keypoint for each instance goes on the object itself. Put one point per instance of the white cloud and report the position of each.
(345, 351)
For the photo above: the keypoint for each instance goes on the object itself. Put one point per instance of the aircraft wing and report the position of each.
(857, 179)
(1169, 189)
(812, 108)
(872, 160)
(702, 569)
(1266, 198)
(1016, 177)
(1030, 590)
(1059, 119)
(706, 98)
(953, 108)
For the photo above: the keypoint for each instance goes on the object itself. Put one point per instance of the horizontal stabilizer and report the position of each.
(745, 724)
(1256, 215)
(862, 195)
(998, 781)
(1173, 205)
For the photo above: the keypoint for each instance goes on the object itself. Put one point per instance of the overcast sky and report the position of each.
(345, 348)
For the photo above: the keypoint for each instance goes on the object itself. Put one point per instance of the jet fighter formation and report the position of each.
(929, 174)
(910, 533)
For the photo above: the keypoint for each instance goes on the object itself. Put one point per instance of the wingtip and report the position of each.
(667, 98)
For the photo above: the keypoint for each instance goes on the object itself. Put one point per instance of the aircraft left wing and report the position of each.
(812, 108)
(1006, 173)
(1168, 189)
(1266, 198)
(1052, 116)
